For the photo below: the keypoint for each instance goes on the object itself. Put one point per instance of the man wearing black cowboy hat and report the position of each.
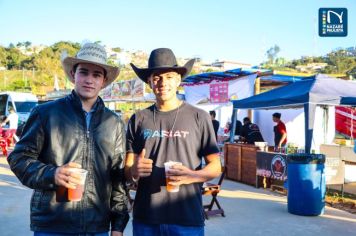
(169, 130)
(71, 133)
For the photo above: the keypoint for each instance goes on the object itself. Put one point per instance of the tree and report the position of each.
(14, 58)
(71, 48)
(16, 85)
(280, 61)
(44, 62)
(47, 62)
(117, 49)
(3, 57)
(339, 62)
(28, 63)
(272, 53)
(27, 44)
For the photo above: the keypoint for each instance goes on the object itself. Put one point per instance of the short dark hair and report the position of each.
(212, 113)
(277, 115)
(246, 119)
(76, 66)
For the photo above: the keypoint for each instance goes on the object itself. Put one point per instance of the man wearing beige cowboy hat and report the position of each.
(169, 130)
(64, 136)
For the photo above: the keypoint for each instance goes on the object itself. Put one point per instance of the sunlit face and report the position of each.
(89, 80)
(165, 85)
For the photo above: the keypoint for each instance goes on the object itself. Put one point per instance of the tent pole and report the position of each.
(309, 117)
(233, 125)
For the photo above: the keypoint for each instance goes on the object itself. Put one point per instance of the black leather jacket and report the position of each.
(56, 134)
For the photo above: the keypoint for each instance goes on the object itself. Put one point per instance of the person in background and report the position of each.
(280, 131)
(250, 132)
(227, 127)
(237, 128)
(13, 120)
(216, 124)
(169, 130)
(76, 131)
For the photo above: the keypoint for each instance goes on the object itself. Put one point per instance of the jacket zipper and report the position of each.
(85, 166)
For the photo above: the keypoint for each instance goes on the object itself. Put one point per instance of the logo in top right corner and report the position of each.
(332, 22)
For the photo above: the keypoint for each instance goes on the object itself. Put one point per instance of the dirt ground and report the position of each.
(346, 203)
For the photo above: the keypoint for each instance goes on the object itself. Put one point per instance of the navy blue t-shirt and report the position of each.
(191, 138)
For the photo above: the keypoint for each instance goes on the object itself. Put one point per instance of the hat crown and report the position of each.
(162, 57)
(92, 52)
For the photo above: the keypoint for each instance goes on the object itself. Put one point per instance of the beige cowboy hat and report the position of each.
(90, 53)
(162, 59)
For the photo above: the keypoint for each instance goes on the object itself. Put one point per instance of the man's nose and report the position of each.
(164, 80)
(89, 79)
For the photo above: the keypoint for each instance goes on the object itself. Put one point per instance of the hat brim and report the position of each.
(68, 63)
(145, 73)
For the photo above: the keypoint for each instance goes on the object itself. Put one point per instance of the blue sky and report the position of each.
(238, 30)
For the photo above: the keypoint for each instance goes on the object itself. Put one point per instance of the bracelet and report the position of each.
(135, 180)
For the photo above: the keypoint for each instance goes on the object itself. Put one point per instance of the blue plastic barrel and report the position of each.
(306, 184)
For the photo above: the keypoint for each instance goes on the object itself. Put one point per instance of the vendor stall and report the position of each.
(240, 162)
(215, 90)
(321, 90)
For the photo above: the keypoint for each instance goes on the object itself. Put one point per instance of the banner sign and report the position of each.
(219, 92)
(345, 121)
(272, 165)
(126, 89)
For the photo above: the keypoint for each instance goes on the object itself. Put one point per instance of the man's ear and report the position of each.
(104, 81)
(72, 74)
(150, 83)
(179, 80)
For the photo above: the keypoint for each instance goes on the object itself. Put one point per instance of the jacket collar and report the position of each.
(74, 98)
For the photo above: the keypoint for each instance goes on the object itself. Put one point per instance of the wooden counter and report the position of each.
(240, 162)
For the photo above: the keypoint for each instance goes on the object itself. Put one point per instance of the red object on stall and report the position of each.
(345, 121)
(3, 146)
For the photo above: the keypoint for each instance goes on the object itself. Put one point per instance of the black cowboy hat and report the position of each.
(162, 59)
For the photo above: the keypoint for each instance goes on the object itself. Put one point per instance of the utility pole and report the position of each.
(5, 80)
(23, 77)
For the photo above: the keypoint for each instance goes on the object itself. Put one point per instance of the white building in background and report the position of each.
(311, 67)
(33, 49)
(124, 58)
(229, 65)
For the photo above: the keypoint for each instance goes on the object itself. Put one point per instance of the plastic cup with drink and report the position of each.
(167, 166)
(64, 194)
(77, 193)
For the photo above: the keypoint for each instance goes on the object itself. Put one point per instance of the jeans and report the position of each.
(140, 229)
(36, 233)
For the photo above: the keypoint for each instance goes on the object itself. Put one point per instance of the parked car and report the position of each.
(23, 103)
